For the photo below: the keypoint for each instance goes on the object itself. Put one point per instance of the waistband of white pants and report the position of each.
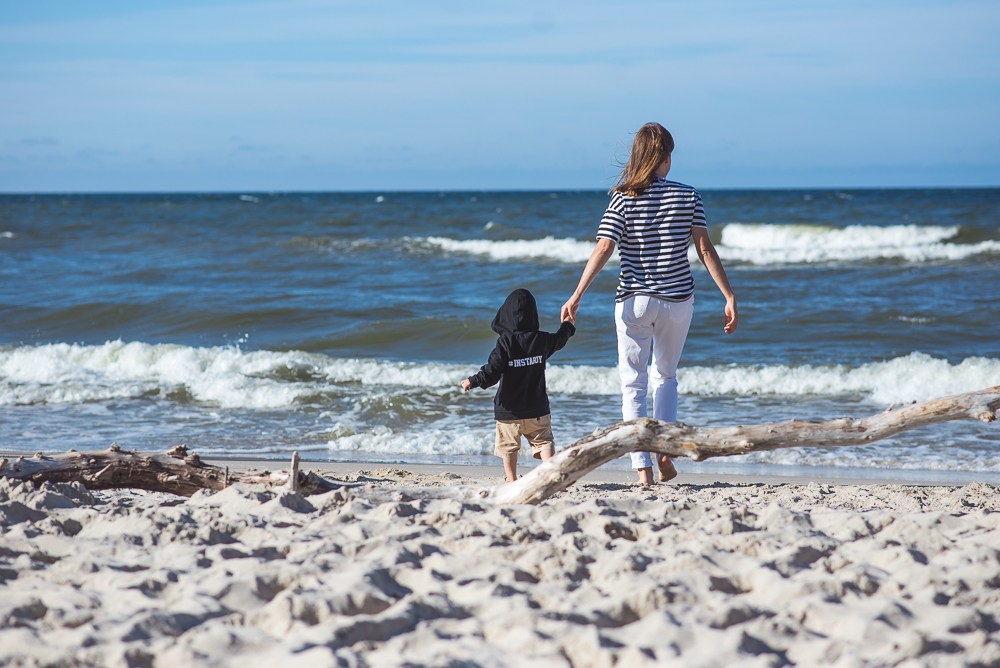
(661, 297)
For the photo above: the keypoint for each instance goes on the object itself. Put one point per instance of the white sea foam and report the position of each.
(65, 373)
(915, 377)
(231, 378)
(393, 374)
(761, 244)
(432, 441)
(227, 376)
(795, 244)
(426, 412)
(571, 251)
(567, 379)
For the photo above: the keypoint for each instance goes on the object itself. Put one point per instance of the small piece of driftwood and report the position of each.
(179, 472)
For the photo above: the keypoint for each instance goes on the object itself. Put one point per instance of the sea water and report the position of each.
(341, 324)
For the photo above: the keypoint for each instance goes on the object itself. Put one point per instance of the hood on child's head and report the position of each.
(518, 314)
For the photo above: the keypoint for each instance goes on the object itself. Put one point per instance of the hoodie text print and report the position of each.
(518, 360)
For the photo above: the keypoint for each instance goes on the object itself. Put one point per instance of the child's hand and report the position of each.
(466, 385)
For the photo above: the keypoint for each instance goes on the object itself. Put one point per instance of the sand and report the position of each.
(604, 574)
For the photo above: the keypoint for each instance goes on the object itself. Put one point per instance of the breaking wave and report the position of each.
(797, 244)
(763, 244)
(231, 378)
(570, 251)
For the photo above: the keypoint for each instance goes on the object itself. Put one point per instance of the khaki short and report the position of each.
(538, 431)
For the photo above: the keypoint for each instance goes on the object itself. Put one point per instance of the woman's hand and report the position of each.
(732, 316)
(569, 309)
(466, 385)
(710, 258)
(602, 253)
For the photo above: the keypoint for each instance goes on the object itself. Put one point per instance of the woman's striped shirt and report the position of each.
(652, 232)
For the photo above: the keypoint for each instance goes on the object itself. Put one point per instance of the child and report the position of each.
(521, 406)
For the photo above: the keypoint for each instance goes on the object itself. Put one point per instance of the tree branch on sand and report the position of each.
(179, 472)
(701, 443)
(176, 472)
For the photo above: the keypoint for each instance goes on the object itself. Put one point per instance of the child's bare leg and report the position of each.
(646, 475)
(546, 454)
(510, 468)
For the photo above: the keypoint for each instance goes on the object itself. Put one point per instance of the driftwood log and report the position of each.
(179, 472)
(176, 472)
(701, 443)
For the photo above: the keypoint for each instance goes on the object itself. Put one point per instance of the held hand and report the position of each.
(732, 316)
(569, 309)
(604, 249)
(466, 385)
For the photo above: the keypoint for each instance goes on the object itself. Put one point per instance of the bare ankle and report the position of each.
(666, 467)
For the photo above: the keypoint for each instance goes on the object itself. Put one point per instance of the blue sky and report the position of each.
(165, 96)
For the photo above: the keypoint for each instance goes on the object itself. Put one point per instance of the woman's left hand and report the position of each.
(710, 258)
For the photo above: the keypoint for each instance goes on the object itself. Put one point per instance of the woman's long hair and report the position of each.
(651, 146)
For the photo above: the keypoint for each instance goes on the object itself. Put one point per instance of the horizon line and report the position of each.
(257, 191)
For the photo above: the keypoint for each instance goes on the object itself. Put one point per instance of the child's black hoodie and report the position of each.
(518, 361)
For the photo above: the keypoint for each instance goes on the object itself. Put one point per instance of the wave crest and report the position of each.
(797, 244)
(264, 380)
(762, 244)
(571, 251)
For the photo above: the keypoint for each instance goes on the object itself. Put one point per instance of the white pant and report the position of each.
(640, 321)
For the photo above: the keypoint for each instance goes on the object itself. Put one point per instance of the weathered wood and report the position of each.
(293, 476)
(179, 472)
(381, 494)
(176, 472)
(701, 443)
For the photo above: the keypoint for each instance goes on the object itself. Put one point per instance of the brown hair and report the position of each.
(651, 146)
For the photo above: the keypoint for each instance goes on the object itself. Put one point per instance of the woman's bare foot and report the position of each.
(667, 470)
(646, 476)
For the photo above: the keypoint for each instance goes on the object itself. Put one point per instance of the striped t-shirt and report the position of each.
(652, 232)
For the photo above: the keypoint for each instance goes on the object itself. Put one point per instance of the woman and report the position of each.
(652, 221)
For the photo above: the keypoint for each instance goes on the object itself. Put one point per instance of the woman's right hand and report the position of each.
(604, 249)
(569, 309)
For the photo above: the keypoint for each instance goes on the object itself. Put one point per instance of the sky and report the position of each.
(143, 95)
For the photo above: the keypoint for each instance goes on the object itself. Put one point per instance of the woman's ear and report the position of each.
(664, 167)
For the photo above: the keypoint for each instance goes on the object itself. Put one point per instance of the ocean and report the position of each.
(341, 324)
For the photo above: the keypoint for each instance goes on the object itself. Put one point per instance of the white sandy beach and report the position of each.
(604, 574)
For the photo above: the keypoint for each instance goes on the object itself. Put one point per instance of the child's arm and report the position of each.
(490, 373)
(559, 339)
